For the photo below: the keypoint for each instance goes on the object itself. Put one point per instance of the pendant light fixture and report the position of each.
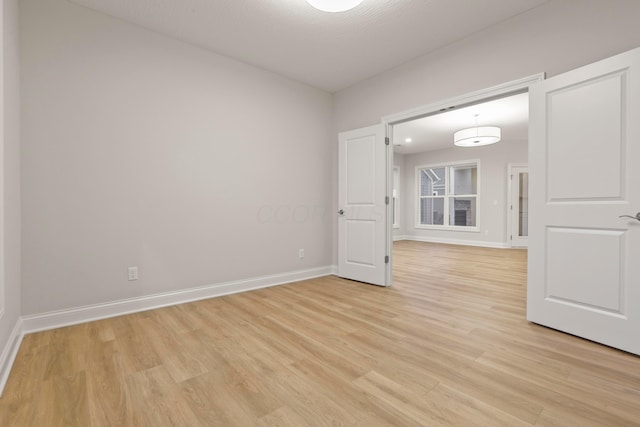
(334, 5)
(477, 136)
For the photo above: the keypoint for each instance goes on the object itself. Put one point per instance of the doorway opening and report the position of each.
(455, 195)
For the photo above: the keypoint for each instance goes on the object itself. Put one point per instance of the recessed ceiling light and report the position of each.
(334, 5)
(408, 140)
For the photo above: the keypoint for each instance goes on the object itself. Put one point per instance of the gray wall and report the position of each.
(553, 38)
(10, 140)
(139, 150)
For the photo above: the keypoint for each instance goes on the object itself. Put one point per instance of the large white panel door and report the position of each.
(362, 214)
(584, 259)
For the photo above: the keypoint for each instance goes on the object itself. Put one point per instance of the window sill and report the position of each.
(448, 228)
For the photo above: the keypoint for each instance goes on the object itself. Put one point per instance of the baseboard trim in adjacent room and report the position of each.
(497, 245)
(9, 353)
(74, 316)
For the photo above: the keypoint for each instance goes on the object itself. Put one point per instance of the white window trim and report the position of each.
(475, 229)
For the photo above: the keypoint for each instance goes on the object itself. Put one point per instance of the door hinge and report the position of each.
(386, 259)
(386, 140)
(386, 200)
(511, 237)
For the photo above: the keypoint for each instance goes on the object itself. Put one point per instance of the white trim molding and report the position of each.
(497, 245)
(9, 353)
(74, 316)
(499, 91)
(511, 202)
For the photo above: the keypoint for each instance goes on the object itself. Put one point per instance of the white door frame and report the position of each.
(483, 95)
(389, 227)
(510, 88)
(500, 91)
(511, 203)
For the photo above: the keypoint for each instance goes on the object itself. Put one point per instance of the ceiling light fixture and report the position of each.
(477, 136)
(334, 5)
(408, 140)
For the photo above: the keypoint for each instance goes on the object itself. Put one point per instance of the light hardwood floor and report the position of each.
(448, 344)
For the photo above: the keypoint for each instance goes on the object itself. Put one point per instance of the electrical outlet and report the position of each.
(133, 273)
(301, 253)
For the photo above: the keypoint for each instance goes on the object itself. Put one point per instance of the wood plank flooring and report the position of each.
(448, 344)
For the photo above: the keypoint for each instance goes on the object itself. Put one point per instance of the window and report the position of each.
(448, 196)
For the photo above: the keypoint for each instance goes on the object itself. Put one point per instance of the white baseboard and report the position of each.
(9, 353)
(74, 316)
(498, 245)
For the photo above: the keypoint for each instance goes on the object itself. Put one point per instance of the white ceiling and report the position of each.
(436, 132)
(330, 51)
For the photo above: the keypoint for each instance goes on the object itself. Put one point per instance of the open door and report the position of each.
(519, 206)
(584, 152)
(363, 240)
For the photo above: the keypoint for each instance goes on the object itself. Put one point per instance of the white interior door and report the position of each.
(519, 206)
(584, 260)
(362, 208)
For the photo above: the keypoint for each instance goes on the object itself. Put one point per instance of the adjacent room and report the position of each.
(448, 193)
(199, 198)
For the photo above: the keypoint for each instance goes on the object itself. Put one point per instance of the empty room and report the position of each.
(319, 212)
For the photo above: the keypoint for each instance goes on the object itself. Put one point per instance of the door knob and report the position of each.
(632, 217)
(341, 212)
